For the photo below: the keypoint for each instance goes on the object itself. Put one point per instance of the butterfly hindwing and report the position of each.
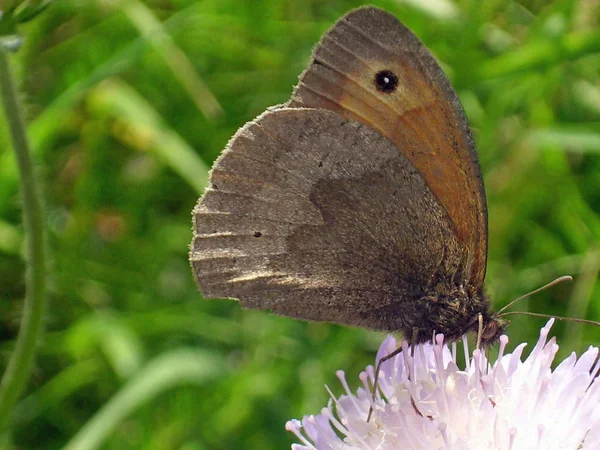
(319, 217)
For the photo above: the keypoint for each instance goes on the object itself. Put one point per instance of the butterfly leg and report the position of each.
(376, 378)
(413, 341)
(387, 357)
(479, 331)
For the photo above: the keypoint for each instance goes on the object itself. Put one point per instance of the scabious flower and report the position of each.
(427, 402)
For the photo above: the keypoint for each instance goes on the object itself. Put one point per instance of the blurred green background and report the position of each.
(129, 103)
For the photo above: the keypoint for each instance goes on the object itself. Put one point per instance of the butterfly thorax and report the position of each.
(453, 314)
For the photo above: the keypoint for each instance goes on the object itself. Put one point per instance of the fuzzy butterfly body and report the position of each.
(360, 201)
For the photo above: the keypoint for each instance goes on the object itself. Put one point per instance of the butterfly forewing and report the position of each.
(419, 112)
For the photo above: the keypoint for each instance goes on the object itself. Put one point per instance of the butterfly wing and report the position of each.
(422, 116)
(318, 217)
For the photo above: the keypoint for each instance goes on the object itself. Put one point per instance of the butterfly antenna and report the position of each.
(546, 286)
(548, 316)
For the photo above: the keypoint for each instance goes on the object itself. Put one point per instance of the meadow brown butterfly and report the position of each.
(359, 201)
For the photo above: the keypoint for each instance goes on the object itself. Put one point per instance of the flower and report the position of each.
(428, 402)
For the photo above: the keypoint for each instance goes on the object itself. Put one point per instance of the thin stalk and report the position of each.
(21, 361)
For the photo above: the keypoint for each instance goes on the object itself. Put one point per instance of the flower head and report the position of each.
(428, 402)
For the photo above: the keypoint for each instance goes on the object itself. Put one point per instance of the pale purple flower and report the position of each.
(430, 403)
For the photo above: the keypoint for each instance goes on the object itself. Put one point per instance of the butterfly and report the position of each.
(360, 201)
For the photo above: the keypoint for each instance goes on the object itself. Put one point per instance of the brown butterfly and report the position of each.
(360, 201)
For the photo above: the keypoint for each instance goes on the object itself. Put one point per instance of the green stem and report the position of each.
(21, 361)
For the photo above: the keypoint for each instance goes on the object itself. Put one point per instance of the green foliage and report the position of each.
(130, 102)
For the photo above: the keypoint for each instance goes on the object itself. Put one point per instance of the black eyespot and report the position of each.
(386, 81)
(257, 234)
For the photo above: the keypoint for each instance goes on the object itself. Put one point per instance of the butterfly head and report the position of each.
(493, 328)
